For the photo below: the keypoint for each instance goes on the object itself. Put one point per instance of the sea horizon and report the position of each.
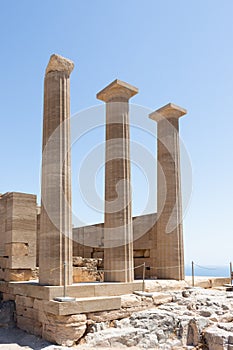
(208, 270)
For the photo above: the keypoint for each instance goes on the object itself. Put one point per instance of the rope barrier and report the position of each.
(164, 267)
(122, 270)
(205, 268)
(147, 267)
(134, 268)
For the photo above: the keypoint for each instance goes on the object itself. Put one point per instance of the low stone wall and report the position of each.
(32, 317)
(84, 270)
(207, 282)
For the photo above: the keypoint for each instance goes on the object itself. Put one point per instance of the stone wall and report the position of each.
(19, 248)
(18, 233)
(32, 316)
(88, 242)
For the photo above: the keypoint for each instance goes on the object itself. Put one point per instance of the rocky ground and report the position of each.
(189, 318)
(195, 317)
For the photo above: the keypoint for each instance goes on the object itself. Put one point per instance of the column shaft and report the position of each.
(56, 224)
(170, 250)
(118, 229)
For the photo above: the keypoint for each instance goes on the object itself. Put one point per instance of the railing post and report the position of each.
(231, 274)
(64, 276)
(143, 277)
(193, 274)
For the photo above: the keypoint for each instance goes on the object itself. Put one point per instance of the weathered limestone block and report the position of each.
(38, 304)
(24, 301)
(130, 300)
(17, 275)
(161, 298)
(86, 270)
(64, 330)
(28, 312)
(83, 274)
(217, 339)
(105, 316)
(29, 325)
(22, 262)
(164, 285)
(27, 315)
(202, 282)
(16, 249)
(217, 282)
(26, 324)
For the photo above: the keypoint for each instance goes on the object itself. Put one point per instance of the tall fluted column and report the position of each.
(55, 256)
(170, 250)
(118, 229)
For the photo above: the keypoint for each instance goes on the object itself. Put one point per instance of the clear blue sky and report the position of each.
(179, 51)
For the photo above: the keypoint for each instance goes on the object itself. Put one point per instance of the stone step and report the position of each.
(93, 290)
(79, 290)
(83, 305)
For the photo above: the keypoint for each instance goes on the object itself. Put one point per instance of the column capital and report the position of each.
(58, 63)
(117, 91)
(168, 111)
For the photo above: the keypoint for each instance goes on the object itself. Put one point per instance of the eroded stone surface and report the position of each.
(58, 63)
(64, 330)
(183, 322)
(86, 270)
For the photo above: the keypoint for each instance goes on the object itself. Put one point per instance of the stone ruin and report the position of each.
(33, 237)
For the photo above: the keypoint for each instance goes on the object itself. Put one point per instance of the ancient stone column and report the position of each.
(55, 256)
(170, 250)
(118, 229)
